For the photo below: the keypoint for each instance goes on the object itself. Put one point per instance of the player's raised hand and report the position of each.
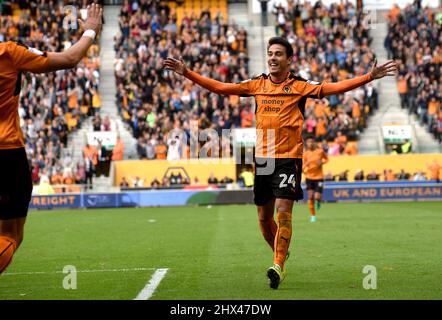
(94, 20)
(175, 65)
(387, 69)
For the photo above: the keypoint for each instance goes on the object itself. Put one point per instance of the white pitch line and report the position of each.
(150, 287)
(79, 271)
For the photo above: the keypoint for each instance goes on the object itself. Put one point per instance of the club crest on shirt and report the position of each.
(286, 89)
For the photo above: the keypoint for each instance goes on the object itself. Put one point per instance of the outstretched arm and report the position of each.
(215, 86)
(387, 69)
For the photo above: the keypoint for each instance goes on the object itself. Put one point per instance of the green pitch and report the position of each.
(218, 253)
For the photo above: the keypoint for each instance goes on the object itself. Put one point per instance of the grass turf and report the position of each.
(218, 253)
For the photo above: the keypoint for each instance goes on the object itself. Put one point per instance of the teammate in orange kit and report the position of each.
(15, 181)
(313, 160)
(280, 98)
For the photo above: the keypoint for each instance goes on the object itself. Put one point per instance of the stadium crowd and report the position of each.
(152, 100)
(430, 173)
(331, 44)
(53, 105)
(414, 39)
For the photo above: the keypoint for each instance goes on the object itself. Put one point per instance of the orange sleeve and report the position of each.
(346, 85)
(243, 88)
(27, 59)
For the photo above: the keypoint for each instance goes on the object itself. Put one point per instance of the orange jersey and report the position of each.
(15, 59)
(312, 163)
(279, 107)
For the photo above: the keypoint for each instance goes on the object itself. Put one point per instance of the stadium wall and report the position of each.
(333, 192)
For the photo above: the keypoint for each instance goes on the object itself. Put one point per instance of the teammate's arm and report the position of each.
(387, 69)
(215, 86)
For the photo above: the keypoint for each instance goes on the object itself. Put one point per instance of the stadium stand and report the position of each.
(52, 106)
(331, 44)
(153, 101)
(414, 39)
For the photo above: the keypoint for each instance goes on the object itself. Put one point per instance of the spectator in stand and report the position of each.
(331, 44)
(165, 183)
(329, 176)
(102, 160)
(150, 149)
(81, 173)
(91, 153)
(247, 177)
(419, 176)
(161, 150)
(57, 178)
(90, 170)
(174, 148)
(402, 175)
(212, 179)
(226, 180)
(389, 175)
(106, 126)
(343, 176)
(137, 182)
(96, 122)
(152, 100)
(176, 179)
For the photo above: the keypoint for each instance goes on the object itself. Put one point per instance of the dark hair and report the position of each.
(282, 41)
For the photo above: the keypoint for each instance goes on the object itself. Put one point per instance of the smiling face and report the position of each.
(277, 60)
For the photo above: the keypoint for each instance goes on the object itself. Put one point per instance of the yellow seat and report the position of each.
(84, 109)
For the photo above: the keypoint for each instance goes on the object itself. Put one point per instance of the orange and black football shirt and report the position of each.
(311, 167)
(15, 59)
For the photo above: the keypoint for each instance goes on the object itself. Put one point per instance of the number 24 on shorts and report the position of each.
(291, 180)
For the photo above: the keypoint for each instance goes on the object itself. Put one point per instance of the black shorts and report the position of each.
(315, 185)
(15, 184)
(281, 180)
